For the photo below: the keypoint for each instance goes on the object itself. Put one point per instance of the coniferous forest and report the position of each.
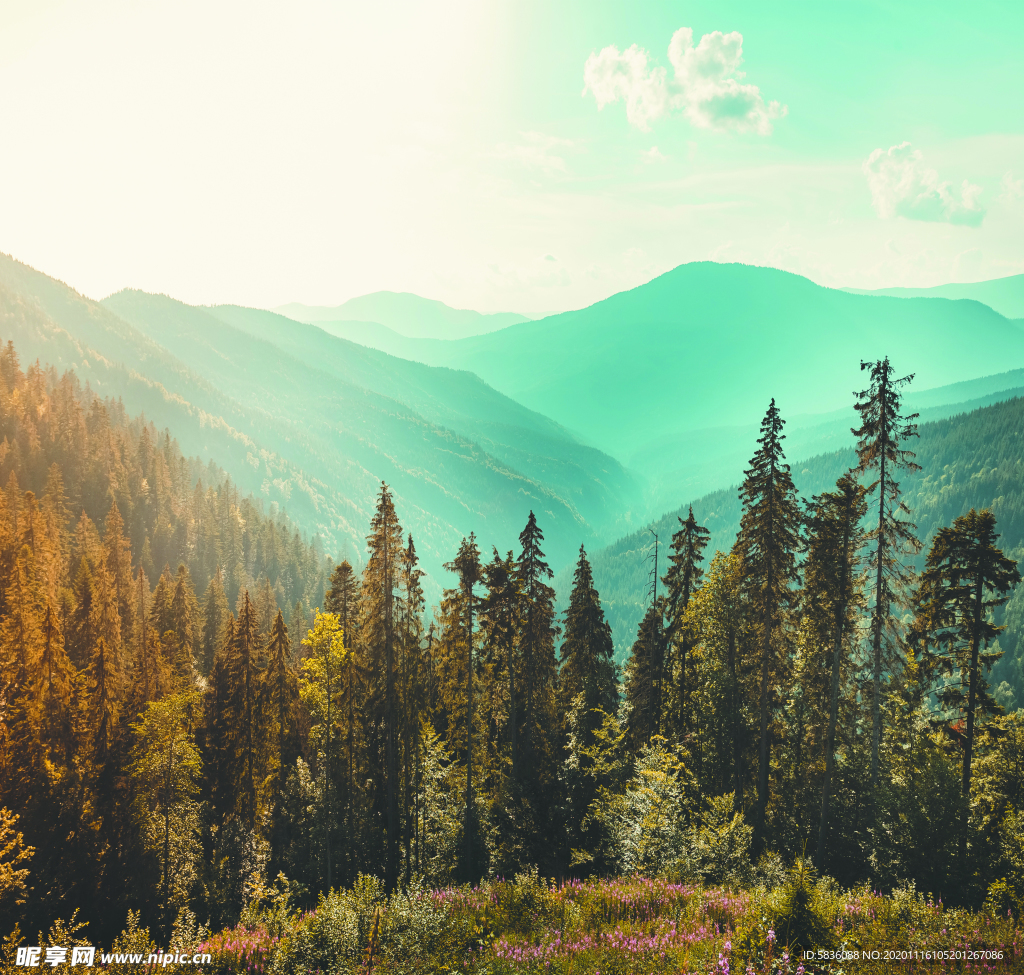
(214, 735)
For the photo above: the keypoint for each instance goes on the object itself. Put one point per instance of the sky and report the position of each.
(530, 156)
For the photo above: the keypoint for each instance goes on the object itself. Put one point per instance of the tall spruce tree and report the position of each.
(243, 671)
(642, 674)
(537, 650)
(377, 633)
(768, 543)
(587, 654)
(683, 578)
(830, 602)
(215, 619)
(966, 577)
(880, 437)
(466, 566)
(343, 599)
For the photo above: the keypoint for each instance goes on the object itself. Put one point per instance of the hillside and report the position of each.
(354, 418)
(598, 486)
(1004, 295)
(50, 322)
(301, 436)
(646, 366)
(974, 459)
(408, 314)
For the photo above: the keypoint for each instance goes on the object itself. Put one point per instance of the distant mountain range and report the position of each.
(660, 376)
(314, 423)
(1004, 295)
(596, 419)
(407, 314)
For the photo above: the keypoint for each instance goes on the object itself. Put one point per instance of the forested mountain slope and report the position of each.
(1004, 295)
(672, 472)
(707, 345)
(97, 469)
(974, 459)
(605, 494)
(309, 439)
(342, 401)
(408, 314)
(149, 379)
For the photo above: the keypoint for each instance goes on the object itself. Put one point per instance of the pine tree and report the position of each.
(880, 437)
(966, 577)
(343, 599)
(499, 626)
(642, 671)
(768, 542)
(411, 691)
(215, 618)
(681, 581)
(377, 633)
(537, 740)
(587, 694)
(187, 626)
(587, 653)
(830, 602)
(466, 566)
(244, 707)
(280, 691)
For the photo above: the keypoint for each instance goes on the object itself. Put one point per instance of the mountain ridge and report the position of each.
(408, 314)
(1004, 295)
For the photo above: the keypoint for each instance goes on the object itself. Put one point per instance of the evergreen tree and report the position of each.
(187, 626)
(377, 632)
(215, 618)
(537, 737)
(245, 709)
(768, 542)
(466, 566)
(830, 605)
(642, 673)
(880, 437)
(966, 577)
(587, 694)
(343, 599)
(587, 662)
(681, 581)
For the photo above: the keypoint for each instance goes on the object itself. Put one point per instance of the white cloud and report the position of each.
(1012, 189)
(903, 186)
(654, 155)
(706, 84)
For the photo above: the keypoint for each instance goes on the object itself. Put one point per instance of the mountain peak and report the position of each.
(408, 314)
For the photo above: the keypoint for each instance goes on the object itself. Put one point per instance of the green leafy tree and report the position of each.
(165, 769)
(319, 679)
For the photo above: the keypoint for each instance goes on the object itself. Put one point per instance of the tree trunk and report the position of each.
(470, 820)
(965, 786)
(880, 611)
(833, 707)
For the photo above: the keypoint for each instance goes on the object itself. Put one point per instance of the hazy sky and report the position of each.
(529, 156)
